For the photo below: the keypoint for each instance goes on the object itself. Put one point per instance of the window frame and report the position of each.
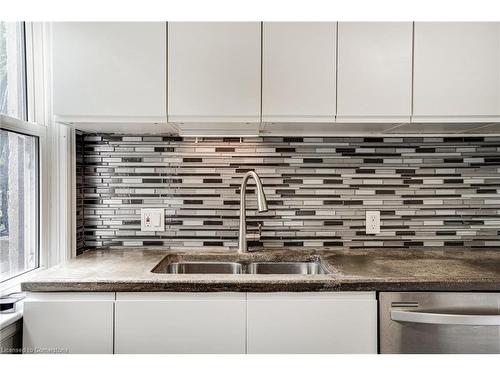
(57, 225)
(38, 131)
(37, 111)
(10, 128)
(23, 102)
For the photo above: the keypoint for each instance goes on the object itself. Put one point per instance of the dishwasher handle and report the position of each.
(436, 318)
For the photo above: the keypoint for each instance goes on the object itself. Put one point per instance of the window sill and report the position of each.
(14, 285)
(10, 318)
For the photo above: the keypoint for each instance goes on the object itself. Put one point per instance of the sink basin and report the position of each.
(313, 267)
(286, 268)
(204, 268)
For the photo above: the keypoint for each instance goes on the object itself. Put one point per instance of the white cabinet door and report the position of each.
(214, 71)
(456, 72)
(342, 322)
(105, 71)
(180, 323)
(374, 71)
(298, 71)
(68, 323)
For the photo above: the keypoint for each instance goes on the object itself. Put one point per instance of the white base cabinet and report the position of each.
(180, 323)
(74, 323)
(323, 323)
(337, 322)
(160, 322)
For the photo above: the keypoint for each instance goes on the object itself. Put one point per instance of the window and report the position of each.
(19, 219)
(19, 204)
(13, 70)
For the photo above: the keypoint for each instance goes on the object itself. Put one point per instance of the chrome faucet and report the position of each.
(261, 202)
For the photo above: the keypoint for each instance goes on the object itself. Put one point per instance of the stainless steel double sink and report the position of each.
(266, 268)
(239, 267)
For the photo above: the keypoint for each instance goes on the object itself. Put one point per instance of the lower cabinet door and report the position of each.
(180, 322)
(68, 323)
(337, 322)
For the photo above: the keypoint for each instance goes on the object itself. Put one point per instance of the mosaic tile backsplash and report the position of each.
(431, 192)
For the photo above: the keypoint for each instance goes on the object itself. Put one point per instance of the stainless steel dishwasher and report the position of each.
(439, 322)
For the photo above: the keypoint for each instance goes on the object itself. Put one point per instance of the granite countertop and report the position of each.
(351, 270)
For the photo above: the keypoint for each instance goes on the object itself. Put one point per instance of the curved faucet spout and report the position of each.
(261, 203)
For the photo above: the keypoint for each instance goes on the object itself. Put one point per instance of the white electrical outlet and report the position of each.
(152, 219)
(372, 222)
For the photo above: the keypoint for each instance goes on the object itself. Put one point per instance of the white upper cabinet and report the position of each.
(298, 71)
(374, 71)
(109, 71)
(456, 72)
(214, 72)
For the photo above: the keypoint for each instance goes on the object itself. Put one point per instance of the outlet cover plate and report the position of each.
(152, 220)
(372, 222)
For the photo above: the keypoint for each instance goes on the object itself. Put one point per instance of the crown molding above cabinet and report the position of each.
(278, 78)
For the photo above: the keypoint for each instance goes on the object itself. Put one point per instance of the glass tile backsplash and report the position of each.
(431, 192)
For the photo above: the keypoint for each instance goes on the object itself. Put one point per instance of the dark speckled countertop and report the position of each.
(351, 270)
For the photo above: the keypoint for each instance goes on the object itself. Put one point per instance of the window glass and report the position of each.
(12, 69)
(18, 204)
